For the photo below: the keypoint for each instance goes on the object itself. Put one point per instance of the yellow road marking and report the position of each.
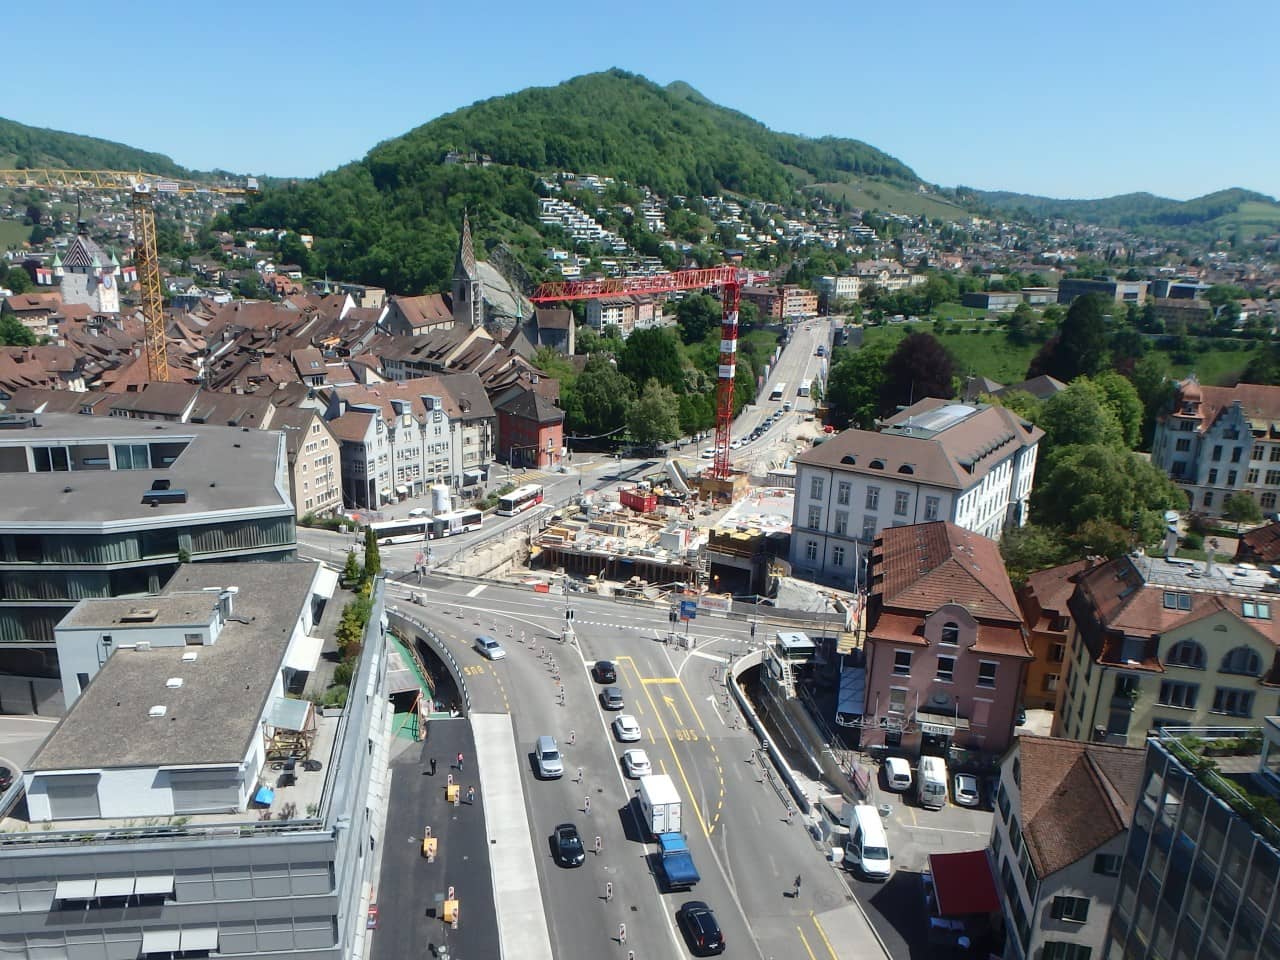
(648, 680)
(671, 702)
(807, 948)
(652, 741)
(823, 934)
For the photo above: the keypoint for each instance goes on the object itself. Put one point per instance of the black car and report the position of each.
(568, 844)
(698, 923)
(606, 671)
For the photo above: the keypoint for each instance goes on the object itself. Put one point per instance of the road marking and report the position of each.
(807, 949)
(708, 656)
(648, 680)
(967, 833)
(671, 702)
(477, 590)
(712, 700)
(823, 934)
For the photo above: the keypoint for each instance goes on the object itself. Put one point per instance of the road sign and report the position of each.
(688, 609)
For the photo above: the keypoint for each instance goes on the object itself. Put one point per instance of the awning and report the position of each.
(941, 724)
(304, 654)
(473, 474)
(161, 941)
(74, 890)
(153, 884)
(114, 887)
(386, 492)
(402, 490)
(963, 884)
(200, 938)
(326, 583)
(852, 700)
(287, 714)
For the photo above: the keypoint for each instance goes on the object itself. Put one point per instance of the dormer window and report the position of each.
(876, 464)
(950, 633)
(1256, 610)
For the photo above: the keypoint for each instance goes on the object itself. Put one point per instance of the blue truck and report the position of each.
(677, 864)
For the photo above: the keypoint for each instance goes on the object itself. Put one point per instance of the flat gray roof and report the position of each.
(223, 469)
(212, 717)
(179, 610)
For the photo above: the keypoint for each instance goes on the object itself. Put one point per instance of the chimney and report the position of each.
(1170, 542)
(1211, 549)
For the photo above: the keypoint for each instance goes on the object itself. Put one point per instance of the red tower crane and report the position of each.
(728, 279)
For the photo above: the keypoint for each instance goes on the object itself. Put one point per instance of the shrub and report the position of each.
(1193, 540)
(342, 673)
(335, 696)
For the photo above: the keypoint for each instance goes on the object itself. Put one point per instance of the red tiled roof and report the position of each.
(928, 564)
(1261, 544)
(352, 426)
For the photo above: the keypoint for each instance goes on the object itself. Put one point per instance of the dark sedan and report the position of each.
(701, 929)
(568, 846)
(605, 671)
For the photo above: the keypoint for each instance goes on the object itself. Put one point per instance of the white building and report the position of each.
(971, 464)
(833, 290)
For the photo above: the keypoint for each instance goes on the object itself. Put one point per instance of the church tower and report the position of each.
(468, 292)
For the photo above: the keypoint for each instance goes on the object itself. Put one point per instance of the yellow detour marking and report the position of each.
(452, 792)
(429, 846)
(451, 913)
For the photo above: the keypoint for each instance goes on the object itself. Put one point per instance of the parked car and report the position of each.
(626, 728)
(605, 671)
(636, 763)
(964, 790)
(701, 929)
(547, 754)
(568, 846)
(611, 698)
(490, 648)
(897, 774)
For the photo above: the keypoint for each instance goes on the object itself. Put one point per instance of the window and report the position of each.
(815, 488)
(837, 556)
(1242, 660)
(950, 633)
(1107, 864)
(897, 700)
(811, 550)
(842, 493)
(987, 673)
(1061, 950)
(193, 639)
(900, 501)
(1049, 683)
(902, 663)
(1185, 653)
(1274, 457)
(946, 669)
(1231, 478)
(1182, 445)
(815, 517)
(931, 505)
(1177, 601)
(1251, 477)
(1273, 477)
(873, 498)
(1074, 909)
(1236, 453)
(868, 528)
(1233, 702)
(1174, 693)
(1213, 476)
(1217, 452)
(842, 523)
(1058, 652)
(1257, 452)
(1002, 801)
(132, 456)
(1256, 610)
(1268, 500)
(1207, 499)
(50, 459)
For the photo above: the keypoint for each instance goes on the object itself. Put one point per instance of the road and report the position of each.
(746, 850)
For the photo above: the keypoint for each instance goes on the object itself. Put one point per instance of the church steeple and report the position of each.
(465, 264)
(468, 292)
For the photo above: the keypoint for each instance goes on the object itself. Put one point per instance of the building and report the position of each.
(1063, 812)
(1219, 441)
(617, 312)
(992, 301)
(414, 316)
(1161, 642)
(1118, 291)
(1200, 872)
(153, 823)
(765, 300)
(1039, 296)
(970, 464)
(315, 463)
(555, 328)
(126, 503)
(1043, 601)
(1178, 315)
(836, 293)
(945, 645)
(482, 296)
(1260, 545)
(88, 274)
(531, 430)
(798, 302)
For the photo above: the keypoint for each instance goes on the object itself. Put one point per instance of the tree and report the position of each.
(351, 572)
(1077, 415)
(1079, 349)
(653, 418)
(1021, 324)
(598, 400)
(853, 386)
(1029, 548)
(14, 334)
(920, 367)
(17, 280)
(1025, 405)
(698, 315)
(1104, 482)
(553, 364)
(372, 556)
(652, 355)
(1241, 508)
(1155, 391)
(1122, 399)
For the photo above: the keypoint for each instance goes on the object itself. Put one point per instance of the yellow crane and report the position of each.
(142, 189)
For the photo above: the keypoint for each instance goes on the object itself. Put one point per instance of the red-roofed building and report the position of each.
(946, 647)
(1043, 599)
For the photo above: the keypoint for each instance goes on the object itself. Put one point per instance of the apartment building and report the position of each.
(1063, 813)
(1200, 872)
(151, 822)
(945, 646)
(1168, 642)
(1219, 441)
(1043, 600)
(315, 463)
(967, 463)
(834, 291)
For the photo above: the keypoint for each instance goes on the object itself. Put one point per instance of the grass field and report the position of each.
(1252, 217)
(12, 233)
(891, 198)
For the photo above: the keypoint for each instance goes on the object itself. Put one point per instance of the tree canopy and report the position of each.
(920, 367)
(598, 400)
(653, 417)
(652, 354)
(1080, 348)
(854, 385)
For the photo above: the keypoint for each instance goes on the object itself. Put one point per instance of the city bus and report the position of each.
(803, 389)
(778, 390)
(455, 521)
(519, 500)
(401, 531)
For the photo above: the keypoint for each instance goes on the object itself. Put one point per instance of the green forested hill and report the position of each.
(25, 147)
(393, 217)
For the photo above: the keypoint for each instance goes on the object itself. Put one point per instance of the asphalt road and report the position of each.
(745, 848)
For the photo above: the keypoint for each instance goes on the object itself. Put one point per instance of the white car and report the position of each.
(625, 728)
(965, 790)
(708, 453)
(636, 762)
(490, 648)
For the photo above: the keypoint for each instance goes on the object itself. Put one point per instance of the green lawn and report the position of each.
(12, 233)
(891, 198)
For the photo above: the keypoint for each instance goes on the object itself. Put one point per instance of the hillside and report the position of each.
(392, 218)
(23, 146)
(1219, 213)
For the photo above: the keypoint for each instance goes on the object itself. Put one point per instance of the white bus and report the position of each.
(401, 531)
(456, 521)
(519, 500)
(778, 390)
(803, 389)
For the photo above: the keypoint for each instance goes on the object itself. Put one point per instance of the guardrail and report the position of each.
(441, 648)
(754, 659)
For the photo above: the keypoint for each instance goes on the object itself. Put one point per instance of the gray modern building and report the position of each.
(161, 817)
(1202, 865)
(109, 507)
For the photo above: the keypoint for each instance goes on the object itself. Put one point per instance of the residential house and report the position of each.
(1220, 441)
(1042, 387)
(765, 300)
(946, 648)
(1260, 545)
(1063, 813)
(315, 462)
(1043, 601)
(33, 310)
(531, 430)
(1167, 642)
(364, 456)
(617, 312)
(835, 293)
(555, 328)
(970, 464)
(414, 316)
(1178, 315)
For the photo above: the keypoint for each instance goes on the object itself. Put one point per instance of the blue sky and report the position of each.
(1078, 99)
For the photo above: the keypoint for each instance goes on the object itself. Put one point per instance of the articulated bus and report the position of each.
(519, 500)
(401, 531)
(804, 388)
(454, 522)
(778, 390)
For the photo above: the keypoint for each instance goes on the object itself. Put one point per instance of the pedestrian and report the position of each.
(471, 795)
(796, 893)
(433, 766)
(459, 761)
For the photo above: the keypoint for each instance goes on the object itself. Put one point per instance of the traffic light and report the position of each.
(568, 615)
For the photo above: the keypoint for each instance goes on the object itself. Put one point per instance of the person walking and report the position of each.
(459, 761)
(433, 766)
(796, 892)
(471, 795)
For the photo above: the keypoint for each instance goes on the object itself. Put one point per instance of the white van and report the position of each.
(897, 774)
(931, 783)
(868, 849)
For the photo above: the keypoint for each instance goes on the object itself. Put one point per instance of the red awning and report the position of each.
(963, 883)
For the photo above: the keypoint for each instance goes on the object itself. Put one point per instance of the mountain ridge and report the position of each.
(23, 146)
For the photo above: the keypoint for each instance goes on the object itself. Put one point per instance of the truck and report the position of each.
(659, 804)
(678, 869)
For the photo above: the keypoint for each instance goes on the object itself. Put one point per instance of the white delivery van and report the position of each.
(868, 850)
(931, 783)
(897, 774)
